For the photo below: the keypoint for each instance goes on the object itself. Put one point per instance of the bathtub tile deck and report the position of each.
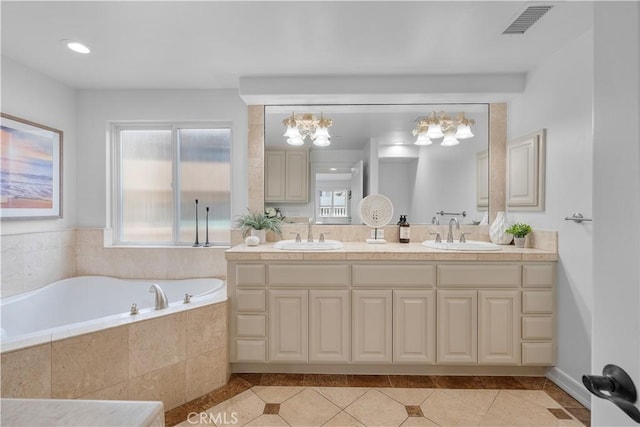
(394, 400)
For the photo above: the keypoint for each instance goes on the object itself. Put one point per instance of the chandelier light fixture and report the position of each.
(436, 126)
(299, 126)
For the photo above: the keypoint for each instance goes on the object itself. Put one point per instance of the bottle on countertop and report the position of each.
(404, 229)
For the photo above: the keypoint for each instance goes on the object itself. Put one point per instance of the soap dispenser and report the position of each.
(404, 229)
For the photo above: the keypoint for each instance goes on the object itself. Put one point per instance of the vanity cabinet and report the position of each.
(319, 313)
(372, 326)
(286, 176)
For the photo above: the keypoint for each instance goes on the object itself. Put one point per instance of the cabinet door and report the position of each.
(274, 176)
(297, 176)
(371, 331)
(498, 332)
(414, 318)
(457, 327)
(288, 320)
(329, 326)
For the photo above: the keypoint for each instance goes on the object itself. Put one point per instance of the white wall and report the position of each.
(558, 97)
(33, 96)
(96, 108)
(616, 197)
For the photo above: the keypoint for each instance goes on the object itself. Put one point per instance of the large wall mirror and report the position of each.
(372, 150)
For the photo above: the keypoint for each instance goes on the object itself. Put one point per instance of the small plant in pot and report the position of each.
(258, 223)
(519, 231)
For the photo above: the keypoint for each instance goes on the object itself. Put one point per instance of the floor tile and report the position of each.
(320, 380)
(456, 382)
(308, 408)
(413, 410)
(417, 422)
(244, 408)
(342, 396)
(253, 379)
(560, 396)
(411, 381)
(532, 383)
(582, 414)
(368, 381)
(282, 379)
(508, 410)
(343, 420)
(560, 413)
(268, 420)
(503, 383)
(271, 408)
(538, 397)
(276, 394)
(377, 409)
(408, 396)
(458, 407)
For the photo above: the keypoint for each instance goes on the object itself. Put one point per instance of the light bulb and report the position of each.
(464, 132)
(77, 47)
(321, 141)
(292, 132)
(295, 141)
(434, 131)
(423, 139)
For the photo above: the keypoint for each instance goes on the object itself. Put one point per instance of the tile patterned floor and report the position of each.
(382, 400)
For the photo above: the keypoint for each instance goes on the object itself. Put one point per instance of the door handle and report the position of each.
(616, 386)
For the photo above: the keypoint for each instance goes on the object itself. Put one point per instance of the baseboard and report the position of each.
(571, 386)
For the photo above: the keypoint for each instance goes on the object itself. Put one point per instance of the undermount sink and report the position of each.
(469, 245)
(292, 245)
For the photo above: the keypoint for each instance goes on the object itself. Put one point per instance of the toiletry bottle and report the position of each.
(405, 229)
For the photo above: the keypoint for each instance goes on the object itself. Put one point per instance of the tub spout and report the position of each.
(161, 297)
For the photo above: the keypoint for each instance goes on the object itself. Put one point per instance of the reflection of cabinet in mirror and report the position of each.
(286, 176)
(525, 172)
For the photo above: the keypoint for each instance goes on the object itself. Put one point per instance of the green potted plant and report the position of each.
(258, 223)
(519, 231)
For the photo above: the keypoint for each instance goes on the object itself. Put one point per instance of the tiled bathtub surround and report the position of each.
(33, 260)
(173, 358)
(96, 258)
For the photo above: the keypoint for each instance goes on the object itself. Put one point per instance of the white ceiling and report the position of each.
(210, 44)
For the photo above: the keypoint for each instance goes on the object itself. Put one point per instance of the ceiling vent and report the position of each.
(526, 19)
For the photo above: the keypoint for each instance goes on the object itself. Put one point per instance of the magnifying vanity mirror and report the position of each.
(372, 149)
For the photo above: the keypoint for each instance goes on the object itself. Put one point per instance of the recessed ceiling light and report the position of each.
(76, 46)
(398, 143)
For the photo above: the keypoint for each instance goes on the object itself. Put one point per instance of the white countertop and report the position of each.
(388, 251)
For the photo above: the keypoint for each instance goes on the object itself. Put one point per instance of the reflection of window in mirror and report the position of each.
(332, 205)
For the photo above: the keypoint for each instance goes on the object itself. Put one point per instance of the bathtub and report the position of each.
(84, 304)
(77, 339)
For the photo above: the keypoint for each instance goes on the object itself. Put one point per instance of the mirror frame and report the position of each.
(497, 158)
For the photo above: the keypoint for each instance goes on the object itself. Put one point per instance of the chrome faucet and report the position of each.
(309, 231)
(435, 221)
(450, 235)
(161, 297)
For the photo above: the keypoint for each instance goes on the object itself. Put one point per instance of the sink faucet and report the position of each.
(450, 235)
(309, 231)
(161, 297)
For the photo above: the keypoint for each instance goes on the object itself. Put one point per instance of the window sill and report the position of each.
(225, 247)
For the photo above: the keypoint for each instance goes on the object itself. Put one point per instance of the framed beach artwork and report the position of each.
(31, 170)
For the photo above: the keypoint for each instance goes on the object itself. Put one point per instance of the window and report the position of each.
(159, 172)
(333, 203)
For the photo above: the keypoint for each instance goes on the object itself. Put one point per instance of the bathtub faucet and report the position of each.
(161, 297)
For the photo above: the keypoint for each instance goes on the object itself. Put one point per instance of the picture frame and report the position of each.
(31, 170)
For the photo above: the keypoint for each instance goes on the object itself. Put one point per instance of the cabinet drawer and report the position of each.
(537, 353)
(393, 275)
(251, 351)
(490, 276)
(250, 325)
(538, 276)
(250, 300)
(309, 275)
(250, 275)
(537, 328)
(537, 302)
